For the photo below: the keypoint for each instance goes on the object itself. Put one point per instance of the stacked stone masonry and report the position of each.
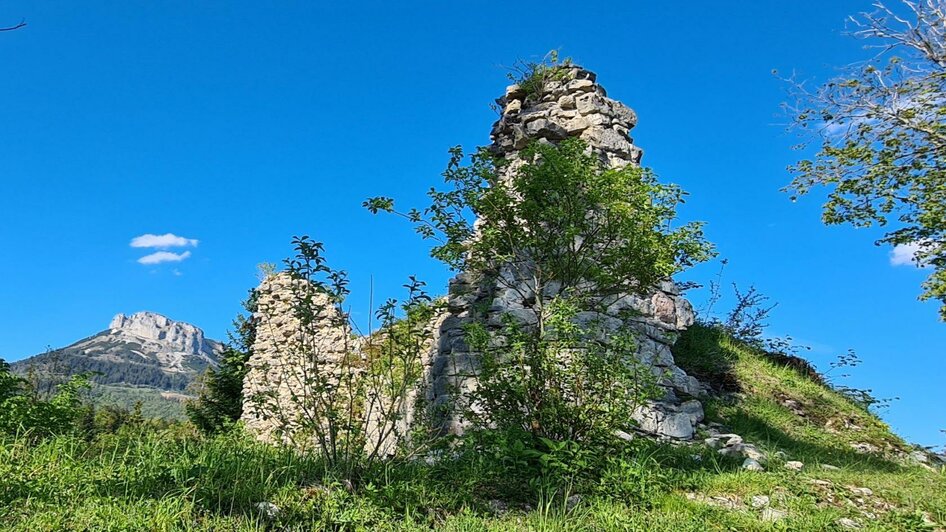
(292, 361)
(576, 106)
(286, 355)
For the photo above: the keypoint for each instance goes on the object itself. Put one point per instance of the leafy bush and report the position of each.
(562, 218)
(575, 382)
(219, 402)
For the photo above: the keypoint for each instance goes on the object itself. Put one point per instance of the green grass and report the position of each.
(830, 424)
(175, 479)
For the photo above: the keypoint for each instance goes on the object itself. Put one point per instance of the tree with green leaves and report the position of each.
(562, 230)
(219, 402)
(881, 127)
(563, 219)
(25, 411)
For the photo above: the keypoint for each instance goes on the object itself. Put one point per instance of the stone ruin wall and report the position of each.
(577, 107)
(284, 354)
(284, 357)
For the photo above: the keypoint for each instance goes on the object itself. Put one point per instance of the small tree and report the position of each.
(23, 410)
(219, 402)
(561, 221)
(882, 133)
(577, 382)
(746, 321)
(11, 385)
(562, 231)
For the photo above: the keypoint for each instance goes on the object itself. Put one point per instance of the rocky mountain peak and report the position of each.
(175, 335)
(141, 356)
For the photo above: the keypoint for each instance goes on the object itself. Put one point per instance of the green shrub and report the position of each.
(532, 76)
(572, 383)
(219, 402)
(23, 410)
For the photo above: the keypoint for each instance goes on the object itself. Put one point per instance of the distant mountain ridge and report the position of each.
(147, 352)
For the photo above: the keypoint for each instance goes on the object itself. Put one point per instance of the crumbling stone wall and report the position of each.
(278, 386)
(289, 360)
(386, 432)
(576, 106)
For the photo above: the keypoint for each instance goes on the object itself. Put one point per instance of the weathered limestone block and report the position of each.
(666, 419)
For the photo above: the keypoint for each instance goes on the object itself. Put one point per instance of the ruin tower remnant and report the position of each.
(298, 368)
(572, 104)
(569, 104)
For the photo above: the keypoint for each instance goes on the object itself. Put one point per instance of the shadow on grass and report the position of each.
(699, 351)
(707, 352)
(710, 354)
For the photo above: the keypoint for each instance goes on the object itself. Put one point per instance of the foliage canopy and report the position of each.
(219, 402)
(562, 217)
(882, 133)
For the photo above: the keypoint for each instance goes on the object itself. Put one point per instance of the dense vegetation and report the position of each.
(123, 380)
(219, 401)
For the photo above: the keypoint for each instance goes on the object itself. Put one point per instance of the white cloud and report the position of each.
(164, 256)
(905, 255)
(169, 240)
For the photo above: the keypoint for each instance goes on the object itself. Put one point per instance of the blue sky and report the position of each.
(241, 124)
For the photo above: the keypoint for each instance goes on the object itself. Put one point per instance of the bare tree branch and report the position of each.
(18, 26)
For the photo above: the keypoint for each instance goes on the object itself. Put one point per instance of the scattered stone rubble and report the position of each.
(925, 458)
(728, 444)
(760, 503)
(794, 465)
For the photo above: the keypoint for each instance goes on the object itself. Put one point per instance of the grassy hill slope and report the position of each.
(792, 416)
